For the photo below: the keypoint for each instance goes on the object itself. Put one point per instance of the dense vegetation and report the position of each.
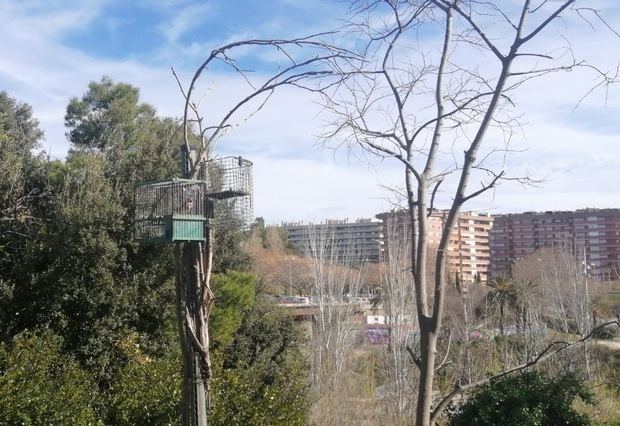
(87, 319)
(530, 398)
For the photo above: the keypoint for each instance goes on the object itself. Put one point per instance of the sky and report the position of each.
(51, 49)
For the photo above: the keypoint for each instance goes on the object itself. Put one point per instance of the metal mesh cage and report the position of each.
(172, 210)
(229, 185)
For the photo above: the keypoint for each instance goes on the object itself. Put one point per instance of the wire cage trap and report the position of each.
(229, 187)
(173, 210)
(179, 209)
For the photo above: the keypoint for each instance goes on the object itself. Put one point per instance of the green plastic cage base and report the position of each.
(169, 229)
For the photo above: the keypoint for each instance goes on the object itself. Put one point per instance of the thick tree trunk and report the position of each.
(184, 340)
(193, 335)
(428, 348)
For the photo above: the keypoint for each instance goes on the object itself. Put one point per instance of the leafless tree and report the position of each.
(304, 67)
(422, 104)
(336, 280)
(570, 294)
(398, 302)
(462, 303)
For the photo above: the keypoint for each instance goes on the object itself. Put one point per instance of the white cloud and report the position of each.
(49, 19)
(316, 189)
(184, 20)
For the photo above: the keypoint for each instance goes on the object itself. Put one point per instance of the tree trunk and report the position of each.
(184, 340)
(193, 335)
(501, 316)
(428, 348)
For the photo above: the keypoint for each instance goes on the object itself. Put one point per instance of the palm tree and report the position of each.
(503, 291)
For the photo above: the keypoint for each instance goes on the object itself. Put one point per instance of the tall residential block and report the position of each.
(592, 235)
(468, 248)
(360, 240)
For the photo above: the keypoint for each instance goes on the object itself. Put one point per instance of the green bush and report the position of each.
(146, 392)
(39, 385)
(530, 398)
(234, 295)
(263, 377)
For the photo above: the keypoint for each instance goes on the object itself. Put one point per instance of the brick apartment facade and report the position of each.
(468, 250)
(590, 233)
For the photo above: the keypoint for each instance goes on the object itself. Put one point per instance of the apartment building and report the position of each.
(468, 249)
(593, 236)
(360, 240)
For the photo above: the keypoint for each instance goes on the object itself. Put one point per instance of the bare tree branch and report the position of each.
(551, 350)
(414, 357)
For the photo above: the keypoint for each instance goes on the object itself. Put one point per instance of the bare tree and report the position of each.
(305, 59)
(421, 106)
(398, 301)
(335, 285)
(570, 294)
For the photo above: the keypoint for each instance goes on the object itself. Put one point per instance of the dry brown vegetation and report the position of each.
(376, 385)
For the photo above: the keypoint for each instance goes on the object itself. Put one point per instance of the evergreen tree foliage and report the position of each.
(264, 376)
(80, 273)
(529, 398)
(23, 197)
(235, 296)
(228, 251)
(145, 392)
(68, 266)
(105, 116)
(70, 281)
(41, 385)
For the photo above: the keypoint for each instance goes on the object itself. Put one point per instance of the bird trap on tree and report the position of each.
(173, 210)
(179, 209)
(229, 190)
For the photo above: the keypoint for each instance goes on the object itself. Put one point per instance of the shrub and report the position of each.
(530, 398)
(40, 385)
(263, 376)
(146, 392)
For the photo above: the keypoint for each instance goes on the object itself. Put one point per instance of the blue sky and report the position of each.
(51, 49)
(180, 31)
